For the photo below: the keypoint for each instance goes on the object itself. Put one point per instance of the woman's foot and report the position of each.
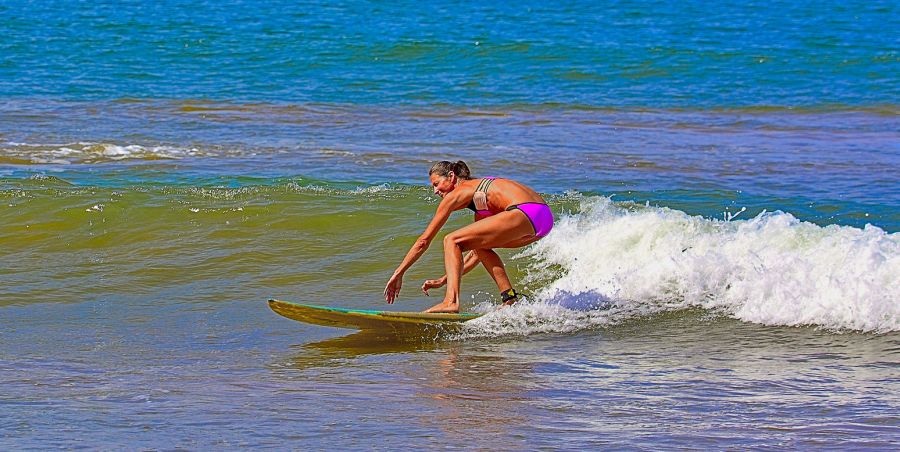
(508, 298)
(444, 307)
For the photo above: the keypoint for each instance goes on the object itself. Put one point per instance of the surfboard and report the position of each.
(362, 319)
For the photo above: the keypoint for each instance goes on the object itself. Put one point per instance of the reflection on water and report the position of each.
(442, 390)
(688, 379)
(240, 375)
(478, 391)
(368, 342)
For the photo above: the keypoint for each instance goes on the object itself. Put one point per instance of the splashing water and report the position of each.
(612, 262)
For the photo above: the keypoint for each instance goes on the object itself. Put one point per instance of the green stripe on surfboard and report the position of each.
(362, 318)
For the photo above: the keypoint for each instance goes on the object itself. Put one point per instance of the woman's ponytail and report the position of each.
(462, 170)
(443, 169)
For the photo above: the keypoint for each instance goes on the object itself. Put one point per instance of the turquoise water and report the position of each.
(724, 271)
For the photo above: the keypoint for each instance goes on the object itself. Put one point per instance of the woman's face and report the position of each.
(443, 184)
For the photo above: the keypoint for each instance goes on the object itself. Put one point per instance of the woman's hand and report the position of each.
(392, 290)
(433, 284)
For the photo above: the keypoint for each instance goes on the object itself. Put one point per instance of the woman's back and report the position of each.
(503, 193)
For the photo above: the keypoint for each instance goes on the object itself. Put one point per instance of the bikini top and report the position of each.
(479, 199)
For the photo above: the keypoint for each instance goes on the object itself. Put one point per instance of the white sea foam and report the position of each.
(86, 152)
(611, 262)
(533, 317)
(376, 189)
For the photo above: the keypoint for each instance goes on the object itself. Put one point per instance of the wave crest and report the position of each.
(772, 269)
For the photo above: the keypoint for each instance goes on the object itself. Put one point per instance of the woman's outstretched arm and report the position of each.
(446, 207)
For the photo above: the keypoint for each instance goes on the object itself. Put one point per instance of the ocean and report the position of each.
(724, 272)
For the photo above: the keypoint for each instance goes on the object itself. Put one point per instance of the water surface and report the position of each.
(724, 272)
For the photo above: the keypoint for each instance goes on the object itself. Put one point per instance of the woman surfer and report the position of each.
(507, 215)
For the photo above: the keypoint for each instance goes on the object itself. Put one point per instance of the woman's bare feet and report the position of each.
(444, 306)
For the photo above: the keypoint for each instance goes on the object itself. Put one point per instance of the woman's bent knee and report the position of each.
(451, 239)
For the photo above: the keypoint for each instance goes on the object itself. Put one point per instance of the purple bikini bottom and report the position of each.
(539, 214)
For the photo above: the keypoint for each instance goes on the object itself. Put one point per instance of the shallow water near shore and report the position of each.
(724, 272)
(250, 379)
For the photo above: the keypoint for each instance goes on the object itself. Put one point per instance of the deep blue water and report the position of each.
(684, 54)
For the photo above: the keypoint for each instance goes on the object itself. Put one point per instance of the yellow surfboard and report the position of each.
(361, 319)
